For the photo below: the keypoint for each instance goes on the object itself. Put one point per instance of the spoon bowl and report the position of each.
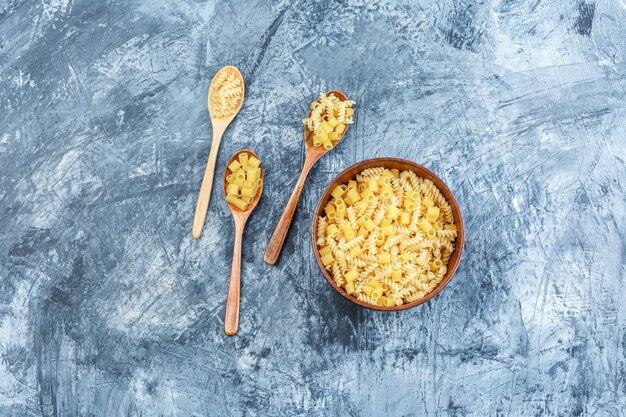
(313, 154)
(240, 217)
(212, 92)
(257, 197)
(308, 133)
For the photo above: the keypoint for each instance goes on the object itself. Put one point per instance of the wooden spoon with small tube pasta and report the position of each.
(231, 318)
(313, 154)
(219, 126)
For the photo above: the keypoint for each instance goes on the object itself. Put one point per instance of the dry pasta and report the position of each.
(244, 181)
(226, 93)
(328, 119)
(387, 236)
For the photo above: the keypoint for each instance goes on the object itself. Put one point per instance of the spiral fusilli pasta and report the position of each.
(392, 236)
(226, 93)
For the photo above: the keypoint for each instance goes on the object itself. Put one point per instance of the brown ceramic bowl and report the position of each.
(402, 165)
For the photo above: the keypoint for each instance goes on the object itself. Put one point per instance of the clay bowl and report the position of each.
(402, 165)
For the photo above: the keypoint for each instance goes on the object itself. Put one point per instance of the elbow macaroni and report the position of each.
(244, 180)
(328, 119)
(387, 236)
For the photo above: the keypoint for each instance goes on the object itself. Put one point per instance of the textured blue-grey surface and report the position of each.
(108, 307)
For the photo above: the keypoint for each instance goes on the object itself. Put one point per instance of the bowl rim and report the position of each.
(459, 242)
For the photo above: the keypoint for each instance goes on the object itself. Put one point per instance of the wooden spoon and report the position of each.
(219, 126)
(313, 154)
(231, 319)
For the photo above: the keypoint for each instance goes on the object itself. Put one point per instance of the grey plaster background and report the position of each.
(108, 307)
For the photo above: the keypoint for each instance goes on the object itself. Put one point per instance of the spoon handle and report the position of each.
(277, 240)
(231, 318)
(204, 197)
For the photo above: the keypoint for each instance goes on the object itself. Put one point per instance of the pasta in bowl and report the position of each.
(387, 234)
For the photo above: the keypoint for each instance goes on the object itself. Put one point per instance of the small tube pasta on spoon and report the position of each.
(328, 119)
(245, 181)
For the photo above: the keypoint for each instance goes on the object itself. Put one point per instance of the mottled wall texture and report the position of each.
(108, 307)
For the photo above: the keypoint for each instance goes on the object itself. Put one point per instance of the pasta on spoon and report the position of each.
(227, 93)
(328, 119)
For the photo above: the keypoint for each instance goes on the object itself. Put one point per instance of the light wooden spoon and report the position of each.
(219, 126)
(313, 154)
(231, 319)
